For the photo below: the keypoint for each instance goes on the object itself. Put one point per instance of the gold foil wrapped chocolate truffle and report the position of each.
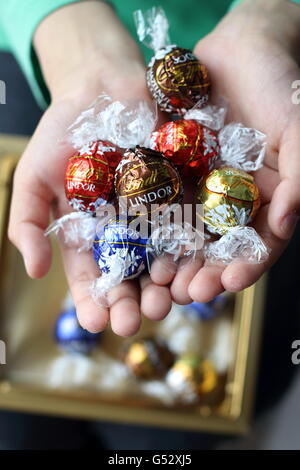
(147, 358)
(230, 198)
(192, 377)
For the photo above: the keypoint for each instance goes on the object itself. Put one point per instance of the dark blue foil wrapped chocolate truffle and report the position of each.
(120, 249)
(208, 310)
(71, 337)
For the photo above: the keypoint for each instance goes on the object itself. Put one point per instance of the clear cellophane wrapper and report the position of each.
(124, 124)
(241, 148)
(133, 250)
(127, 124)
(105, 372)
(153, 28)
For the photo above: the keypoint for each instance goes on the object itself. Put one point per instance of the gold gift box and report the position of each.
(28, 312)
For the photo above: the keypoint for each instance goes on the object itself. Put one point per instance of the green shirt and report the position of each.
(189, 21)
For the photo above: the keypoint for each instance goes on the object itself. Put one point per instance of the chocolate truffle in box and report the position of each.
(192, 378)
(192, 147)
(175, 77)
(120, 251)
(206, 310)
(146, 181)
(70, 336)
(90, 175)
(229, 197)
(147, 358)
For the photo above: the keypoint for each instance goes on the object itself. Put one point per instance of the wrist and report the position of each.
(275, 20)
(83, 46)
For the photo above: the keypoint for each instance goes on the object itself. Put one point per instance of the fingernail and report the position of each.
(289, 223)
(25, 258)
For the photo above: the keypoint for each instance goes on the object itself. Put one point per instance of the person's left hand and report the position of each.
(253, 57)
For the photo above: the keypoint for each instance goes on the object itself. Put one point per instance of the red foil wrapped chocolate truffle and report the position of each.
(89, 179)
(146, 181)
(193, 148)
(177, 80)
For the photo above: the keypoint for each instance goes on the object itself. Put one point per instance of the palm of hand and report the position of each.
(44, 164)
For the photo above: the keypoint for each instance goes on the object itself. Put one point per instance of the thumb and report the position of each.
(29, 216)
(285, 205)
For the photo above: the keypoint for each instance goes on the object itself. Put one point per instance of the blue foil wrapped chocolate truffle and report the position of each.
(71, 337)
(208, 310)
(120, 248)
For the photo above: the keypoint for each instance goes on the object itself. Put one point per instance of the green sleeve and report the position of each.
(18, 22)
(236, 2)
(3, 41)
(20, 18)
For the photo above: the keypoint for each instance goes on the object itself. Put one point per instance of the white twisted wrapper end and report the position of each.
(242, 147)
(125, 124)
(83, 131)
(210, 116)
(159, 390)
(102, 285)
(79, 229)
(176, 240)
(152, 28)
(242, 243)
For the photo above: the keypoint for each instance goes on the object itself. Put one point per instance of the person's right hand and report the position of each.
(83, 50)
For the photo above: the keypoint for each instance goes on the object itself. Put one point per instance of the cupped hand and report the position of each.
(253, 57)
(83, 51)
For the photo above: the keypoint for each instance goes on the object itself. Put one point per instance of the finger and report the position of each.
(81, 271)
(29, 217)
(125, 315)
(163, 270)
(267, 180)
(32, 194)
(240, 275)
(285, 206)
(156, 300)
(206, 284)
(187, 270)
